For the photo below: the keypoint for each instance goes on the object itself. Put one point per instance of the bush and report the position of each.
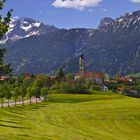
(72, 87)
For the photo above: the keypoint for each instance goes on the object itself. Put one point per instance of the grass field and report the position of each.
(74, 117)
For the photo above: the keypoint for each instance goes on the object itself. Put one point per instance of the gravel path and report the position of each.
(12, 103)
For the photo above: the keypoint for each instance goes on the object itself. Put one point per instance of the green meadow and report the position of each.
(105, 116)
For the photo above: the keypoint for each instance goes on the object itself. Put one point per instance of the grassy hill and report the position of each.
(74, 117)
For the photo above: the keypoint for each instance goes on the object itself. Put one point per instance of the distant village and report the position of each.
(101, 79)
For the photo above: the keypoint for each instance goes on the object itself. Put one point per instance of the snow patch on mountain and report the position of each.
(32, 34)
(37, 24)
(26, 28)
(23, 28)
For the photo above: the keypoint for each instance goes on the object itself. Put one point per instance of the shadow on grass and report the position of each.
(35, 106)
(21, 110)
(11, 126)
(80, 98)
(69, 101)
(10, 121)
(23, 135)
(18, 113)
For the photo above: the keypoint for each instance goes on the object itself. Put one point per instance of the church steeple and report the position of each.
(81, 66)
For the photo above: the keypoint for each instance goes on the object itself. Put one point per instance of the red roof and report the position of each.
(92, 74)
(3, 78)
(125, 79)
(27, 74)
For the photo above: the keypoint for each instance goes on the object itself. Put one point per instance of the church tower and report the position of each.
(81, 66)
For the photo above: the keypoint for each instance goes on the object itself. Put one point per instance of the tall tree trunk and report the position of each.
(2, 103)
(45, 97)
(30, 101)
(15, 102)
(36, 100)
(8, 103)
(22, 101)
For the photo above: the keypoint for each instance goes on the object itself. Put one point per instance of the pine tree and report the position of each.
(4, 24)
(60, 74)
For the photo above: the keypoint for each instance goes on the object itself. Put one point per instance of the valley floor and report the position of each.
(73, 117)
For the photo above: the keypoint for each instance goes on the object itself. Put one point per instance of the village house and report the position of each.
(4, 78)
(125, 79)
(28, 75)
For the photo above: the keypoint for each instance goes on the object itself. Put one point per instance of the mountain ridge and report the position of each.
(113, 47)
(24, 28)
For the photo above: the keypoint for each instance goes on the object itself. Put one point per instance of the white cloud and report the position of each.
(135, 1)
(76, 4)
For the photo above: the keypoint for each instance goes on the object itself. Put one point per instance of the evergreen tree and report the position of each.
(4, 24)
(60, 74)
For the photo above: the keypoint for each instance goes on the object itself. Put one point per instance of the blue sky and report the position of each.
(71, 13)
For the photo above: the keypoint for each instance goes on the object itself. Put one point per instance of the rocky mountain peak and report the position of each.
(25, 27)
(113, 48)
(136, 13)
(106, 21)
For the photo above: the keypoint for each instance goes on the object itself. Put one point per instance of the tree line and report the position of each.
(22, 88)
(25, 87)
(14, 88)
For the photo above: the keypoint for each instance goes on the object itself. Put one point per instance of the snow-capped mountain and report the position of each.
(121, 24)
(25, 27)
(114, 47)
(105, 21)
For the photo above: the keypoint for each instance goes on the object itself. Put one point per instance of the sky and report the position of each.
(71, 13)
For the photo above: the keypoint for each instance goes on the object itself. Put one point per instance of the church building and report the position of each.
(97, 77)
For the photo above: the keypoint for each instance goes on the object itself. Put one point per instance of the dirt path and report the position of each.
(20, 102)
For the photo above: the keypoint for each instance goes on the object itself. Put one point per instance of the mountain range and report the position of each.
(24, 28)
(113, 47)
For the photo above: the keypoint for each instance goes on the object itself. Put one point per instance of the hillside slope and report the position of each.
(71, 117)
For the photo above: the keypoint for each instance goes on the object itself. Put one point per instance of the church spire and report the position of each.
(81, 66)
